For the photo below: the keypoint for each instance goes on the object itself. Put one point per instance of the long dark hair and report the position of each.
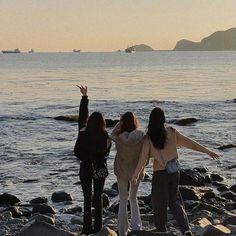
(156, 128)
(129, 122)
(96, 126)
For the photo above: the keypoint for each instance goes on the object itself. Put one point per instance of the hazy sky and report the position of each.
(109, 25)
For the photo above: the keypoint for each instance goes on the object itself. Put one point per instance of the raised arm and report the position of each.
(191, 144)
(83, 108)
(143, 159)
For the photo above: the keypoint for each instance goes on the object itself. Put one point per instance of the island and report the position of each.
(139, 48)
(218, 41)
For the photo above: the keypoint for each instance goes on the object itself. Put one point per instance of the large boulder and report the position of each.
(191, 177)
(189, 193)
(43, 229)
(61, 196)
(8, 199)
(43, 209)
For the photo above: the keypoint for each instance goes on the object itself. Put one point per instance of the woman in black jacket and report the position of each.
(91, 148)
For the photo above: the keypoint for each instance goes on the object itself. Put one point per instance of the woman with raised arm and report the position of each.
(128, 139)
(91, 148)
(161, 143)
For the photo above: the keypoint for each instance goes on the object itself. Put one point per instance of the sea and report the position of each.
(36, 151)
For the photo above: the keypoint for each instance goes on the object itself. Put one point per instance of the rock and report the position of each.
(233, 188)
(188, 193)
(228, 195)
(114, 207)
(147, 178)
(61, 196)
(230, 206)
(145, 199)
(74, 210)
(191, 177)
(190, 204)
(201, 169)
(43, 209)
(115, 186)
(232, 228)
(149, 233)
(217, 184)
(7, 215)
(14, 211)
(111, 123)
(208, 207)
(8, 199)
(185, 121)
(39, 200)
(227, 146)
(208, 195)
(147, 217)
(231, 220)
(208, 179)
(110, 192)
(43, 229)
(215, 230)
(77, 220)
(43, 218)
(106, 231)
(15, 221)
(223, 188)
(216, 177)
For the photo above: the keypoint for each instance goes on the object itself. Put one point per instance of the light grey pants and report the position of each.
(128, 190)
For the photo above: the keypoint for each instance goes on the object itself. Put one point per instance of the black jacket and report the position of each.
(85, 148)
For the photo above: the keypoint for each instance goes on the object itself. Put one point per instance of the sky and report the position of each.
(109, 25)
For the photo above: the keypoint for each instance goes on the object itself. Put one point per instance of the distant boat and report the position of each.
(14, 51)
(130, 49)
(76, 50)
(31, 50)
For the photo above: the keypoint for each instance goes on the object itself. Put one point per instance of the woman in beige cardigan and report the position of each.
(128, 139)
(161, 143)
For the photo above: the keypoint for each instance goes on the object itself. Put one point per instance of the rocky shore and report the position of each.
(209, 202)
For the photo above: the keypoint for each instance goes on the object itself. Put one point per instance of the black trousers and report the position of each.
(165, 193)
(86, 178)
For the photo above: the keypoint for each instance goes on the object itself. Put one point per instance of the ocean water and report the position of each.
(36, 151)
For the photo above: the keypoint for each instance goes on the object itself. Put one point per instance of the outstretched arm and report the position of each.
(191, 144)
(83, 108)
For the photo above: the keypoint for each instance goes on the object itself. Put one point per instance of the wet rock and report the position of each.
(190, 204)
(149, 233)
(147, 178)
(111, 123)
(201, 169)
(223, 147)
(231, 167)
(223, 188)
(114, 207)
(74, 210)
(230, 206)
(188, 193)
(191, 177)
(231, 220)
(8, 199)
(208, 179)
(145, 199)
(216, 177)
(215, 230)
(43, 209)
(77, 220)
(208, 195)
(43, 218)
(208, 207)
(106, 231)
(61, 196)
(7, 215)
(42, 228)
(110, 192)
(185, 121)
(115, 186)
(39, 200)
(233, 188)
(15, 212)
(217, 184)
(228, 195)
(15, 221)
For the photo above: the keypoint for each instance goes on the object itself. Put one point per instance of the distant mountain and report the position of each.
(220, 40)
(142, 48)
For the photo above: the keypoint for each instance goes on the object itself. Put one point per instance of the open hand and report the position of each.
(83, 89)
(214, 155)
